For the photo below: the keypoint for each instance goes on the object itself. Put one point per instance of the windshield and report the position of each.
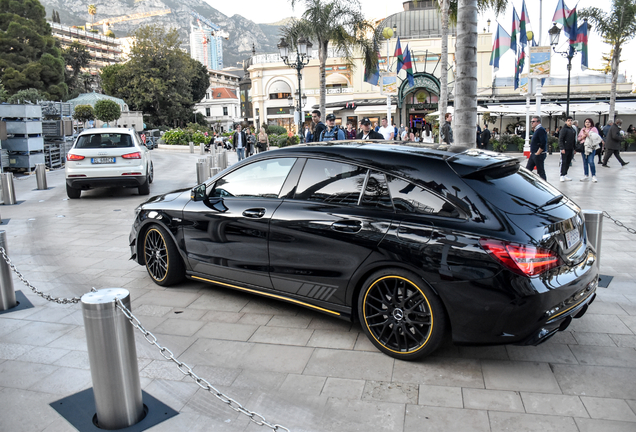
(103, 140)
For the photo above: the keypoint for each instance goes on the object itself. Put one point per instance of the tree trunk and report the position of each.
(615, 64)
(322, 57)
(466, 79)
(443, 93)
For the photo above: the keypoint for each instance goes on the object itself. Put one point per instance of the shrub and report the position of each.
(176, 137)
(276, 130)
(510, 141)
(107, 110)
(84, 113)
(498, 146)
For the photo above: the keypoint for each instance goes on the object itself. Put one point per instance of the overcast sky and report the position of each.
(267, 11)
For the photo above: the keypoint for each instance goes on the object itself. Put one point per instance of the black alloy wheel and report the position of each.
(151, 173)
(162, 258)
(401, 316)
(73, 193)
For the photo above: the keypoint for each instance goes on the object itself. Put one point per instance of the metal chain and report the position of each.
(619, 223)
(34, 289)
(187, 370)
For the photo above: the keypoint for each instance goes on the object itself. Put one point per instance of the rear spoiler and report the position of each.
(475, 164)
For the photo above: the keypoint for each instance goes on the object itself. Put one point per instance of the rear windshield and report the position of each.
(103, 140)
(517, 192)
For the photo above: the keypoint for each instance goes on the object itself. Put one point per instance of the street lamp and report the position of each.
(554, 33)
(303, 56)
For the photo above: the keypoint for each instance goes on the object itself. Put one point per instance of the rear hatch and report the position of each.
(533, 206)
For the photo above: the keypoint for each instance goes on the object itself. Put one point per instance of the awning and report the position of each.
(373, 109)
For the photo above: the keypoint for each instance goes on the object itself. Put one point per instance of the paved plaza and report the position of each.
(298, 368)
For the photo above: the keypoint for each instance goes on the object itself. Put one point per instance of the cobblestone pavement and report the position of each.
(303, 370)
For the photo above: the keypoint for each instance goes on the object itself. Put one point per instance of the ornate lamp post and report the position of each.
(303, 56)
(554, 33)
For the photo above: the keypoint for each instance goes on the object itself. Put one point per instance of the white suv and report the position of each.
(105, 157)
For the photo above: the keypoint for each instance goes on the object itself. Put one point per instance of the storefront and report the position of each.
(417, 101)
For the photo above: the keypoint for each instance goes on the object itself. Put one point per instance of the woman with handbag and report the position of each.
(263, 141)
(588, 142)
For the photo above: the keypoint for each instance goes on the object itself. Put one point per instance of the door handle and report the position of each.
(351, 227)
(254, 213)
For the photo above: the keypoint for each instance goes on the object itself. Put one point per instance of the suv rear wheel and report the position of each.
(72, 192)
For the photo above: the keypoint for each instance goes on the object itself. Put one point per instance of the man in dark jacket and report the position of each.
(567, 140)
(613, 143)
(239, 142)
(446, 132)
(367, 133)
(485, 137)
(318, 125)
(538, 147)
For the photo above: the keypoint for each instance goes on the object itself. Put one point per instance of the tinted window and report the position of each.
(376, 193)
(262, 179)
(331, 182)
(99, 140)
(410, 198)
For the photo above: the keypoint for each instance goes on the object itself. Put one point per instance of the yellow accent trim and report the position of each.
(427, 302)
(167, 257)
(267, 295)
(570, 308)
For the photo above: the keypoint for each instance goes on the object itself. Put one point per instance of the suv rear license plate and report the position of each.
(572, 237)
(103, 160)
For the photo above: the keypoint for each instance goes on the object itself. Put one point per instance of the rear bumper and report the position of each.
(97, 182)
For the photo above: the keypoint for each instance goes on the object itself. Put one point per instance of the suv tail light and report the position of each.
(525, 260)
(135, 155)
(73, 157)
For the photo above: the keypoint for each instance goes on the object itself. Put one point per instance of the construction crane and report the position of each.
(132, 17)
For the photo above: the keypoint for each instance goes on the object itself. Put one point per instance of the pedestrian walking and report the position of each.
(401, 131)
(613, 143)
(386, 130)
(538, 147)
(567, 141)
(366, 132)
(485, 137)
(590, 139)
(318, 126)
(263, 141)
(350, 133)
(239, 142)
(446, 131)
(332, 132)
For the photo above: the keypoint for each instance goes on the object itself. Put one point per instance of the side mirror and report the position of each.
(198, 193)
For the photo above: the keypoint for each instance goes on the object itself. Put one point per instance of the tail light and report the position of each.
(135, 155)
(73, 157)
(525, 260)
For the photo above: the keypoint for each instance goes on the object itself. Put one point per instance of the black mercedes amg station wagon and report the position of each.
(414, 241)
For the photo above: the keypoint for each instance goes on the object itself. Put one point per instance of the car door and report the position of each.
(226, 233)
(320, 237)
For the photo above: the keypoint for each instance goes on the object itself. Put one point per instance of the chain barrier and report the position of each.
(34, 289)
(187, 370)
(619, 223)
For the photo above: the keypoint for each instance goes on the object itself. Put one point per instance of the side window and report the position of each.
(262, 179)
(330, 182)
(410, 198)
(376, 193)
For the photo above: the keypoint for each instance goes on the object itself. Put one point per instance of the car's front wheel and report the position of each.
(162, 258)
(401, 315)
(72, 192)
(151, 173)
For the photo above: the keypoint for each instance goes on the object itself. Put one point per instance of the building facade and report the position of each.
(206, 47)
(104, 50)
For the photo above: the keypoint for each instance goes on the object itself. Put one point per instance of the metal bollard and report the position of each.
(219, 160)
(113, 359)
(213, 147)
(201, 149)
(214, 171)
(594, 230)
(40, 176)
(7, 292)
(8, 190)
(201, 177)
(209, 162)
(225, 158)
(191, 147)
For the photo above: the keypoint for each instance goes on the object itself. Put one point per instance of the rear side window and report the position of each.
(99, 140)
(331, 182)
(413, 199)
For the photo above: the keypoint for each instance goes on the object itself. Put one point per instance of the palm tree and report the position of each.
(617, 27)
(466, 81)
(340, 23)
(92, 11)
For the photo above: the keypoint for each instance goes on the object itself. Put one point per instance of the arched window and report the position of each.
(336, 80)
(279, 90)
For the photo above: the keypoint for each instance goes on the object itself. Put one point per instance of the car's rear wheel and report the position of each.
(401, 315)
(162, 258)
(144, 189)
(72, 192)
(151, 173)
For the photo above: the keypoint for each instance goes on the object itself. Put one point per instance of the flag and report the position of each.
(580, 44)
(561, 13)
(524, 21)
(408, 67)
(372, 76)
(519, 67)
(398, 55)
(500, 46)
(515, 30)
(570, 27)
